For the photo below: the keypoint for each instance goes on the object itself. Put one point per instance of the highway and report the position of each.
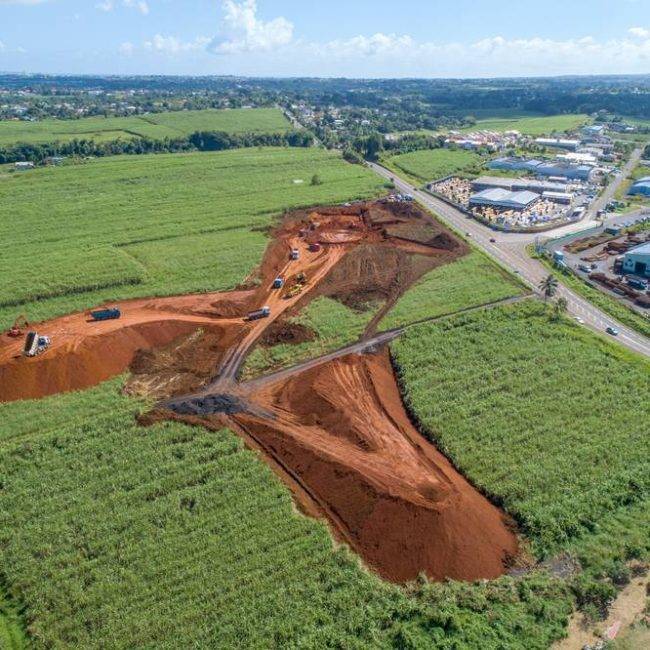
(509, 249)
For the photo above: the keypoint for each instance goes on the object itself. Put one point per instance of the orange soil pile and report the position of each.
(341, 432)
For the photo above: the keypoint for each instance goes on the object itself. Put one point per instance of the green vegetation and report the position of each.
(531, 125)
(113, 535)
(607, 303)
(545, 416)
(154, 125)
(12, 633)
(75, 236)
(333, 324)
(430, 164)
(470, 281)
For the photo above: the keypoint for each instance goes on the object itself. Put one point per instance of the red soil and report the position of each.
(341, 432)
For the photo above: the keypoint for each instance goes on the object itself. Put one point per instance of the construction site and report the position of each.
(333, 428)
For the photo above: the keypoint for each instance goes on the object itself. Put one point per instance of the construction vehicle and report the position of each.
(111, 313)
(278, 283)
(17, 328)
(315, 247)
(295, 254)
(35, 344)
(265, 312)
(297, 287)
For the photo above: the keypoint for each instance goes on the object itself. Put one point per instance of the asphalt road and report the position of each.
(509, 249)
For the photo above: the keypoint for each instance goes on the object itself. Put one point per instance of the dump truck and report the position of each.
(278, 283)
(264, 312)
(35, 344)
(111, 313)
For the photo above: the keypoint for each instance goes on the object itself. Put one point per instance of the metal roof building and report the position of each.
(497, 197)
(640, 187)
(637, 260)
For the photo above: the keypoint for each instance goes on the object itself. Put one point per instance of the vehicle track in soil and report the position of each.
(334, 428)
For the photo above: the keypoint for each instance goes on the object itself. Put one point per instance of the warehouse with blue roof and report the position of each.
(640, 187)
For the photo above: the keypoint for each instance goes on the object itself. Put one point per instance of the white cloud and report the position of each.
(243, 31)
(126, 49)
(109, 5)
(171, 45)
(640, 32)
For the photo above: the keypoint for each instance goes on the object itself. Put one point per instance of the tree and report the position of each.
(548, 286)
(559, 307)
(316, 180)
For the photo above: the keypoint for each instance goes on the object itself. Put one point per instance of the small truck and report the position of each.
(111, 313)
(278, 283)
(295, 254)
(35, 344)
(265, 312)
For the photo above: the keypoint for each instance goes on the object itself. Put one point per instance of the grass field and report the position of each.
(547, 417)
(155, 125)
(74, 236)
(430, 164)
(531, 125)
(470, 281)
(116, 536)
(334, 324)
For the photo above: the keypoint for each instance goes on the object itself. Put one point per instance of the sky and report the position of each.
(337, 38)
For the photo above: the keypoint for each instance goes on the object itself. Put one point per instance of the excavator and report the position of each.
(17, 328)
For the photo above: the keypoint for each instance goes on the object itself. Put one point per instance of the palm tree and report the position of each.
(549, 286)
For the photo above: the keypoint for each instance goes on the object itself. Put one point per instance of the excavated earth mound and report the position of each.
(341, 431)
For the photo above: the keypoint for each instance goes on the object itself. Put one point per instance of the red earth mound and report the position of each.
(341, 432)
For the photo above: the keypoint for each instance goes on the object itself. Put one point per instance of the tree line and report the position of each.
(198, 141)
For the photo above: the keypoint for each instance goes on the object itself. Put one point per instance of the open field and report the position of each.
(154, 125)
(531, 125)
(174, 536)
(429, 164)
(126, 226)
(470, 281)
(520, 403)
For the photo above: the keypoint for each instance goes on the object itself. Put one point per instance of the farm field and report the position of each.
(175, 536)
(508, 414)
(534, 126)
(155, 125)
(135, 222)
(429, 164)
(470, 281)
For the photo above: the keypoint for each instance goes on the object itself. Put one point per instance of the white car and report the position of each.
(577, 319)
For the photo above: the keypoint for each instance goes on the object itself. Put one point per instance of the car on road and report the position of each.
(612, 330)
(468, 234)
(577, 319)
(493, 240)
(584, 267)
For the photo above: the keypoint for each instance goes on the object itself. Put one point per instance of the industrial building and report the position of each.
(517, 184)
(640, 187)
(497, 197)
(572, 171)
(559, 143)
(637, 260)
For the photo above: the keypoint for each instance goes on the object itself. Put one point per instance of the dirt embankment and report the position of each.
(341, 432)
(84, 353)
